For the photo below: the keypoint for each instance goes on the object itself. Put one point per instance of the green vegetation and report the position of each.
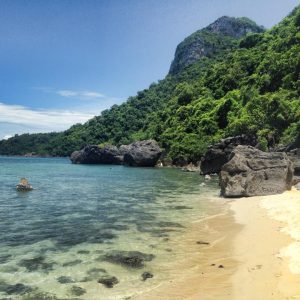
(216, 39)
(254, 89)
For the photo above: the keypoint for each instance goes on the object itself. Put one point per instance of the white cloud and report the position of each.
(30, 120)
(90, 94)
(67, 93)
(7, 136)
(79, 94)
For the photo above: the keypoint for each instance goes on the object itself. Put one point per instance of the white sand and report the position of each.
(267, 247)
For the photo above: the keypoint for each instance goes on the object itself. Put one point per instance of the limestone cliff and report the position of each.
(219, 36)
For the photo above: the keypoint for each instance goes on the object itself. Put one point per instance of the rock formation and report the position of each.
(294, 156)
(93, 154)
(219, 154)
(138, 154)
(24, 186)
(251, 172)
(141, 154)
(220, 35)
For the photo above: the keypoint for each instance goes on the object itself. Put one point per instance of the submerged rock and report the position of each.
(146, 275)
(129, 259)
(93, 154)
(180, 207)
(14, 289)
(93, 274)
(41, 296)
(65, 279)
(83, 252)
(72, 263)
(77, 290)
(169, 224)
(95, 271)
(4, 258)
(219, 154)
(108, 281)
(251, 172)
(37, 263)
(141, 154)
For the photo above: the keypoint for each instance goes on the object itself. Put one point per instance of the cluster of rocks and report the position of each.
(139, 154)
(246, 171)
(128, 259)
(243, 169)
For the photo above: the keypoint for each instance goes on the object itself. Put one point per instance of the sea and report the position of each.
(95, 231)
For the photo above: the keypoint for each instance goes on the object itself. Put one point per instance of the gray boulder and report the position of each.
(294, 156)
(93, 154)
(219, 154)
(141, 154)
(251, 172)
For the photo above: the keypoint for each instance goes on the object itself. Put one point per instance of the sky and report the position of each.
(64, 61)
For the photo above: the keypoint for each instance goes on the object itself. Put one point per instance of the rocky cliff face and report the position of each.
(221, 35)
(234, 27)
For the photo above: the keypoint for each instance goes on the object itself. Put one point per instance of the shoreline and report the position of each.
(252, 242)
(205, 271)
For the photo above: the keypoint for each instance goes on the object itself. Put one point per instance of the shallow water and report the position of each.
(58, 240)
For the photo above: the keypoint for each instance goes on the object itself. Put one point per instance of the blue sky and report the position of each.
(63, 61)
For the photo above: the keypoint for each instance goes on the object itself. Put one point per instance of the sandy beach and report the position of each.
(254, 254)
(264, 247)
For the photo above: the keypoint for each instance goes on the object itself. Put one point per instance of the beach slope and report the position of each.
(266, 247)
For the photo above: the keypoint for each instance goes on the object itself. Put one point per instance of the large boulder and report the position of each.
(141, 154)
(219, 154)
(251, 172)
(294, 156)
(93, 154)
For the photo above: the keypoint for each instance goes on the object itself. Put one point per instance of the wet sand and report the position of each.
(253, 253)
(205, 271)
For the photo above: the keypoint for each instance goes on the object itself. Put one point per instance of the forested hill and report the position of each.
(252, 87)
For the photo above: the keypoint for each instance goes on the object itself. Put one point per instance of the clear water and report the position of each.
(79, 215)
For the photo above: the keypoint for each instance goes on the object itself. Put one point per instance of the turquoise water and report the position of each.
(58, 240)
